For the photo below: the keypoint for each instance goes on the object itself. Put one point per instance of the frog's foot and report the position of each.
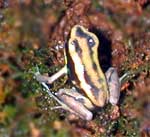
(40, 78)
(115, 112)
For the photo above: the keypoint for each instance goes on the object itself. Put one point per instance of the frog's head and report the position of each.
(87, 41)
(83, 52)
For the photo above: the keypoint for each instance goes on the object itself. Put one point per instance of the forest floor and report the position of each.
(33, 33)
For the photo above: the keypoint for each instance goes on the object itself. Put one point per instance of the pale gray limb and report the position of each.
(46, 88)
(113, 85)
(63, 106)
(51, 79)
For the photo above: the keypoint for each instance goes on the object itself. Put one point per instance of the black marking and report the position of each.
(94, 89)
(77, 47)
(81, 100)
(80, 33)
(71, 67)
(94, 66)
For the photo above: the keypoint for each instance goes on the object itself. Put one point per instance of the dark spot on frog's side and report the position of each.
(94, 66)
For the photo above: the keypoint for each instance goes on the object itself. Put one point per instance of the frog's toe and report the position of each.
(89, 116)
(113, 100)
(41, 78)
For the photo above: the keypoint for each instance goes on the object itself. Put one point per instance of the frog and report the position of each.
(92, 87)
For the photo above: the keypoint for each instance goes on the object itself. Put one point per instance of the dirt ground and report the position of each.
(33, 34)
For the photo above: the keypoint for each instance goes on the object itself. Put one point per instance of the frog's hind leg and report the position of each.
(76, 103)
(77, 97)
(66, 100)
(44, 80)
(63, 105)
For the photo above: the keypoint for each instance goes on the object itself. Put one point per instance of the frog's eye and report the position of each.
(91, 42)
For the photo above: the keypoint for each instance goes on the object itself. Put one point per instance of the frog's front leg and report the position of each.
(78, 104)
(113, 85)
(49, 80)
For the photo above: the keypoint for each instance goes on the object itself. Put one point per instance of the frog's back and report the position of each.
(83, 65)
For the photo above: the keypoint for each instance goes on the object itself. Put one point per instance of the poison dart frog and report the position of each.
(93, 88)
